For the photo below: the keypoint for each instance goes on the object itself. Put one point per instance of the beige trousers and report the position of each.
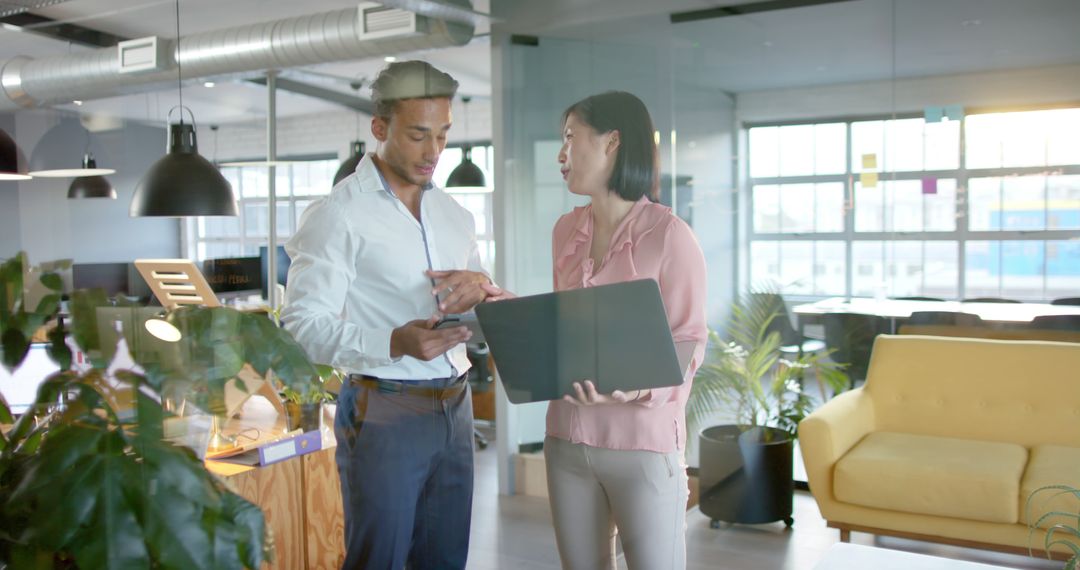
(599, 493)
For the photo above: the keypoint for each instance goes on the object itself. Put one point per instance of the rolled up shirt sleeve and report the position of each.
(324, 253)
(683, 287)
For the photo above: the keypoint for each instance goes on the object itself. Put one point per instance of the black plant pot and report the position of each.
(307, 417)
(746, 476)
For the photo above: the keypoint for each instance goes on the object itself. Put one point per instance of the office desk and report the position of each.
(300, 497)
(897, 310)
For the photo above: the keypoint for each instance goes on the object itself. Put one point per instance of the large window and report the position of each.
(986, 206)
(297, 186)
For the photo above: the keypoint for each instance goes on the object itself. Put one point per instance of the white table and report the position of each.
(846, 556)
(901, 309)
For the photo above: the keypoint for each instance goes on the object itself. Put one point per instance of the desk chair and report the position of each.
(791, 342)
(944, 318)
(851, 337)
(1057, 323)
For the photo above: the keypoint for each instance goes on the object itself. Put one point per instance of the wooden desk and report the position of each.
(300, 497)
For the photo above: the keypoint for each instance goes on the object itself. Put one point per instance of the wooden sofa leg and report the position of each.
(845, 535)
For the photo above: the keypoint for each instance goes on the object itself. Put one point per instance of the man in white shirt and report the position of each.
(373, 266)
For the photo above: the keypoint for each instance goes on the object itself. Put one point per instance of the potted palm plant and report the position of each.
(86, 477)
(746, 467)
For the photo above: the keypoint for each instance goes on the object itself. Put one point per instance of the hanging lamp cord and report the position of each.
(179, 75)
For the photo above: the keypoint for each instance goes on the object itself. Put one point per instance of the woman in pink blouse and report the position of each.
(615, 461)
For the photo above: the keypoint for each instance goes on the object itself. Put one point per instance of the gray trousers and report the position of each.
(599, 493)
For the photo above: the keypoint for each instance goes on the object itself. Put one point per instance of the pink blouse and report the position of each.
(650, 242)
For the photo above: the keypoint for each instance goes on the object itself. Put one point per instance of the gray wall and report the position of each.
(49, 226)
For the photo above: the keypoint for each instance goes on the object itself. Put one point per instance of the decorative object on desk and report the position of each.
(304, 409)
(116, 494)
(1058, 518)
(467, 176)
(746, 468)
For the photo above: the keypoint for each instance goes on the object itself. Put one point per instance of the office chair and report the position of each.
(1066, 301)
(944, 318)
(1057, 322)
(790, 340)
(851, 337)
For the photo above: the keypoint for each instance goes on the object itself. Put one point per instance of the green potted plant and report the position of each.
(90, 453)
(1065, 528)
(304, 408)
(745, 473)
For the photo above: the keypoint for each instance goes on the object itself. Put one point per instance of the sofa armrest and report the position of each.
(828, 434)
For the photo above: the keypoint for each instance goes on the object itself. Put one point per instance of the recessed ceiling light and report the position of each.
(767, 44)
(208, 84)
(77, 102)
(971, 23)
(389, 59)
(11, 27)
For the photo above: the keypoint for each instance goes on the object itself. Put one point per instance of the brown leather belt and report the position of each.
(404, 387)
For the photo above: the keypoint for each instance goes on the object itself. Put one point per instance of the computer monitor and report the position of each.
(283, 262)
(112, 277)
(233, 276)
(20, 386)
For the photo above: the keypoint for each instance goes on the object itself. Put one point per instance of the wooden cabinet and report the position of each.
(300, 497)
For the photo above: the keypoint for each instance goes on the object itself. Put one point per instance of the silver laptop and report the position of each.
(615, 335)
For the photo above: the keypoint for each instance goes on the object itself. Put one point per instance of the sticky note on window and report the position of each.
(933, 114)
(954, 112)
(868, 179)
(869, 161)
(929, 185)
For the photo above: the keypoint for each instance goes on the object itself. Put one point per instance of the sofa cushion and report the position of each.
(1050, 465)
(965, 479)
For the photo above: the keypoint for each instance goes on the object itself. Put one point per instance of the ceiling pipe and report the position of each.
(369, 30)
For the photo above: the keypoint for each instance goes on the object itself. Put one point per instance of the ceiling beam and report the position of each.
(744, 9)
(344, 99)
(53, 29)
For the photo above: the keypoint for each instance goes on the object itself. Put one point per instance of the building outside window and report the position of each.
(986, 206)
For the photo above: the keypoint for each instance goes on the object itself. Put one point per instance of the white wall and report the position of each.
(49, 226)
(1019, 87)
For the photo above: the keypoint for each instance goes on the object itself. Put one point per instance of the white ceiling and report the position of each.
(835, 43)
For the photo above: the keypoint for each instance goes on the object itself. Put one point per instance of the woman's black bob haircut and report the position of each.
(637, 170)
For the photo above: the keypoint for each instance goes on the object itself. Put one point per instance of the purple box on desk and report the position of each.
(292, 447)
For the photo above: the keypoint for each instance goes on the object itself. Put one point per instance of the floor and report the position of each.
(514, 533)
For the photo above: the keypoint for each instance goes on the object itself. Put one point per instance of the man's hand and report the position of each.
(463, 289)
(496, 294)
(588, 396)
(419, 339)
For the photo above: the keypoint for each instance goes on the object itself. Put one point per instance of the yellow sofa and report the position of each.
(947, 439)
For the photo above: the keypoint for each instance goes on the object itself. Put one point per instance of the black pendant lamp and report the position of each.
(183, 183)
(467, 175)
(349, 166)
(55, 157)
(90, 186)
(12, 161)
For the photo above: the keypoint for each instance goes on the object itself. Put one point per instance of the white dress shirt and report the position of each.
(357, 273)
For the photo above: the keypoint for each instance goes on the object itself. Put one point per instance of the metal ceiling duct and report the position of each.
(9, 7)
(368, 30)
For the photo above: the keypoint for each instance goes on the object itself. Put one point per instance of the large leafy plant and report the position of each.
(85, 478)
(748, 375)
(1065, 530)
